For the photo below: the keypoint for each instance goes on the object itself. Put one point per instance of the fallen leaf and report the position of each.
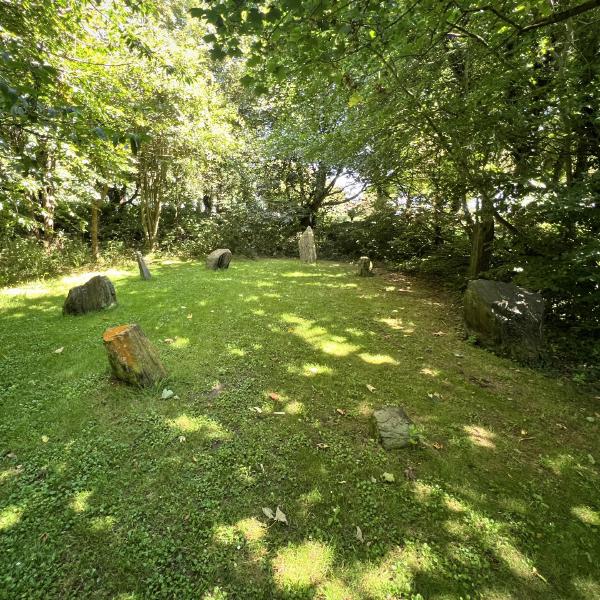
(256, 409)
(45, 439)
(182, 438)
(268, 513)
(439, 333)
(59, 350)
(168, 340)
(523, 432)
(373, 480)
(274, 396)
(370, 388)
(459, 355)
(388, 477)
(340, 411)
(166, 394)
(435, 396)
(359, 535)
(190, 316)
(280, 516)
(322, 446)
(437, 445)
(280, 412)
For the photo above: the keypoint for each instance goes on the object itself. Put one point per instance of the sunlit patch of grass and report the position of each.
(334, 590)
(225, 534)
(391, 578)
(180, 342)
(429, 372)
(378, 359)
(480, 436)
(515, 560)
(559, 463)
(210, 428)
(10, 516)
(318, 337)
(102, 524)
(586, 587)
(252, 529)
(586, 515)
(294, 408)
(236, 351)
(302, 565)
(398, 325)
(80, 501)
(7, 473)
(311, 370)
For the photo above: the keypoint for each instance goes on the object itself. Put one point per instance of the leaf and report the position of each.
(166, 394)
(168, 340)
(439, 333)
(257, 409)
(190, 316)
(182, 438)
(370, 388)
(268, 513)
(359, 535)
(355, 100)
(280, 516)
(437, 445)
(340, 411)
(322, 446)
(388, 477)
(274, 396)
(59, 350)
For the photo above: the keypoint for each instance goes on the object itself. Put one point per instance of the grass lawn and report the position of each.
(112, 492)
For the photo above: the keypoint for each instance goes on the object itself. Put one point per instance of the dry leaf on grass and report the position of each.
(370, 388)
(274, 396)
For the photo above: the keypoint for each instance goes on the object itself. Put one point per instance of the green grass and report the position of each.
(111, 492)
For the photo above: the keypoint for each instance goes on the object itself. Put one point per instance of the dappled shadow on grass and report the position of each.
(134, 495)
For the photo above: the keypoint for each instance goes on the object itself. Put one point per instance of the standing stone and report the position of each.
(219, 259)
(392, 427)
(306, 246)
(144, 271)
(95, 294)
(505, 317)
(365, 267)
(133, 359)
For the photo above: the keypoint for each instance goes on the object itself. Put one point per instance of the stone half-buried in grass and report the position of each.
(95, 294)
(392, 427)
(133, 359)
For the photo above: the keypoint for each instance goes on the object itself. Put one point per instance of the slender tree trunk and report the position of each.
(94, 221)
(483, 239)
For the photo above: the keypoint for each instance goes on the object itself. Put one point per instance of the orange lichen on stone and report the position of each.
(113, 332)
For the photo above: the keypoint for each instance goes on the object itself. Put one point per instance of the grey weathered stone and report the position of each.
(95, 294)
(505, 317)
(365, 266)
(306, 246)
(144, 271)
(219, 259)
(392, 427)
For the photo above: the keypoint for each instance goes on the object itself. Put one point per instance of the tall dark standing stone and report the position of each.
(505, 318)
(306, 246)
(144, 271)
(95, 294)
(219, 259)
(365, 266)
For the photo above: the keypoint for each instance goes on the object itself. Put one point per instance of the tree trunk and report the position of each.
(94, 221)
(481, 249)
(133, 359)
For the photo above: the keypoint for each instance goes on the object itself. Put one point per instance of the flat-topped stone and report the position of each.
(96, 294)
(392, 427)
